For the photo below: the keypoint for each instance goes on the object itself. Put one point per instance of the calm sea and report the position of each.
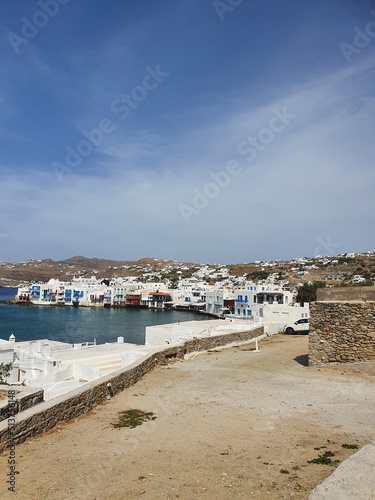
(81, 324)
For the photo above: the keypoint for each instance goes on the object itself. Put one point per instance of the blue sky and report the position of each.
(176, 91)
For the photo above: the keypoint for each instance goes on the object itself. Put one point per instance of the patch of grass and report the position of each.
(284, 471)
(324, 459)
(349, 446)
(296, 467)
(133, 418)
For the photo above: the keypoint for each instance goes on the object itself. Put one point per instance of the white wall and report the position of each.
(130, 357)
(285, 314)
(173, 333)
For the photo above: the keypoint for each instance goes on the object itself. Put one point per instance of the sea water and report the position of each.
(81, 324)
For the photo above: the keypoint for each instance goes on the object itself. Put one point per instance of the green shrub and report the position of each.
(5, 369)
(350, 446)
(133, 418)
(324, 459)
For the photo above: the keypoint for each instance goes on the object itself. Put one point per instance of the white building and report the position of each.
(6, 350)
(268, 302)
(358, 278)
(216, 301)
(23, 294)
(188, 294)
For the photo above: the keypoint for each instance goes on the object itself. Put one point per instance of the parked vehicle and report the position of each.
(300, 326)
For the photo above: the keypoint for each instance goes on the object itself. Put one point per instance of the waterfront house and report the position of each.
(158, 299)
(214, 302)
(133, 299)
(23, 294)
(119, 296)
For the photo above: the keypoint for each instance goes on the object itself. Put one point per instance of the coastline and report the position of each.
(104, 306)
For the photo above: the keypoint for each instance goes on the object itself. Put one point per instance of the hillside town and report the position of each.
(155, 283)
(344, 269)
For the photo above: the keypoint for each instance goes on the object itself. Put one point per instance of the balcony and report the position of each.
(242, 301)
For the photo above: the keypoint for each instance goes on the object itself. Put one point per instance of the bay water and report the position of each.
(82, 324)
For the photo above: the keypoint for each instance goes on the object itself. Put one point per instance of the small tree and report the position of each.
(174, 282)
(258, 275)
(307, 292)
(5, 369)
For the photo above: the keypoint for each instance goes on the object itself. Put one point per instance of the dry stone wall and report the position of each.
(46, 415)
(345, 294)
(22, 402)
(341, 332)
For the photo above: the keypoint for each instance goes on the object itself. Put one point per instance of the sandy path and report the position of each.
(227, 423)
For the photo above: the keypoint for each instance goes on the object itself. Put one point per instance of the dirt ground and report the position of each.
(231, 424)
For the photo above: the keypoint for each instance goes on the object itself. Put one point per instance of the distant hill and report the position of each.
(91, 263)
(335, 270)
(14, 273)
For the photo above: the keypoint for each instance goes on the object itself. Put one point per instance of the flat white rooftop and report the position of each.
(79, 363)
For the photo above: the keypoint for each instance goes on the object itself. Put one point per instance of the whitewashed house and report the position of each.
(217, 300)
(23, 294)
(268, 302)
(214, 302)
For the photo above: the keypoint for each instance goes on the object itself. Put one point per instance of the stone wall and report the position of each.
(25, 398)
(46, 415)
(341, 332)
(364, 293)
